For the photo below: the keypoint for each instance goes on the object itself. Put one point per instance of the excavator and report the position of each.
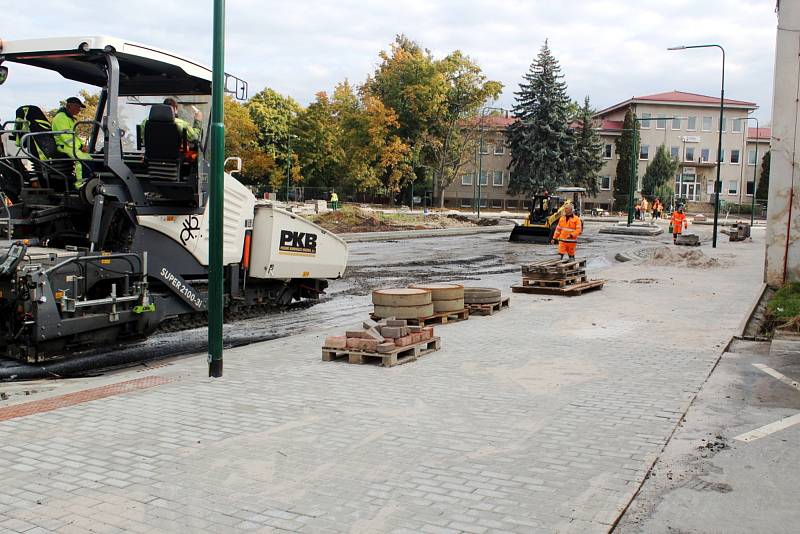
(546, 209)
(124, 251)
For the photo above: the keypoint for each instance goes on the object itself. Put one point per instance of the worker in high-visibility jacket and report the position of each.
(334, 201)
(567, 232)
(678, 223)
(68, 142)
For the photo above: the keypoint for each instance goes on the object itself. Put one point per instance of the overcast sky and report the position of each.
(609, 50)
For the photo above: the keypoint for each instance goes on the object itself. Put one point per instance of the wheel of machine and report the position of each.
(448, 305)
(404, 312)
(401, 297)
(481, 295)
(442, 291)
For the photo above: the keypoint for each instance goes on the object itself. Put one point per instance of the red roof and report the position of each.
(611, 125)
(490, 121)
(691, 98)
(760, 133)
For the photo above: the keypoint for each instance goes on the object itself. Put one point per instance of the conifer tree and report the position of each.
(539, 140)
(587, 156)
(623, 145)
(762, 193)
(660, 171)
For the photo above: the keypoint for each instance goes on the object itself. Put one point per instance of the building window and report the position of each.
(645, 122)
(497, 178)
(735, 157)
(689, 156)
(737, 125)
(721, 156)
(691, 124)
(466, 179)
(484, 178)
(707, 124)
(484, 148)
(733, 187)
(497, 202)
(466, 202)
(607, 152)
(751, 157)
(724, 124)
(676, 124)
(661, 122)
(704, 154)
(605, 183)
(675, 152)
(750, 188)
(644, 151)
(499, 149)
(482, 203)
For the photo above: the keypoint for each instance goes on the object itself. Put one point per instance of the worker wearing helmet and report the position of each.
(567, 232)
(678, 223)
(67, 141)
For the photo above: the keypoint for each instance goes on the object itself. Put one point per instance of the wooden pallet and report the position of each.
(553, 267)
(570, 290)
(553, 276)
(488, 309)
(398, 356)
(436, 318)
(555, 282)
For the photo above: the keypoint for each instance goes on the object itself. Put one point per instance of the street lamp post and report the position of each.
(215, 301)
(635, 161)
(755, 170)
(480, 151)
(718, 183)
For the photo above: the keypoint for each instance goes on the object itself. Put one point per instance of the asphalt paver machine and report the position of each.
(126, 251)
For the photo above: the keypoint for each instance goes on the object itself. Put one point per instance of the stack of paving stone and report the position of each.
(391, 340)
(556, 277)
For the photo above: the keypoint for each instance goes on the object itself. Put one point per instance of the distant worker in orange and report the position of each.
(567, 232)
(678, 223)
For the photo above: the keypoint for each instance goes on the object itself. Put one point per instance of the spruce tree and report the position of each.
(587, 156)
(624, 146)
(762, 193)
(660, 171)
(540, 140)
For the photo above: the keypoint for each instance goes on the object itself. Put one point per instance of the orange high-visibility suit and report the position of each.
(678, 223)
(567, 232)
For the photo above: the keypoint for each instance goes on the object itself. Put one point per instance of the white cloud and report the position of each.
(609, 50)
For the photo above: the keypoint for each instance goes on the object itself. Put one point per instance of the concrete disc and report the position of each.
(481, 295)
(442, 291)
(405, 312)
(448, 305)
(401, 297)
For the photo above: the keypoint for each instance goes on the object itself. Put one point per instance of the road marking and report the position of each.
(775, 374)
(771, 428)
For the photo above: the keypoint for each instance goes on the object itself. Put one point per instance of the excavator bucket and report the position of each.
(530, 234)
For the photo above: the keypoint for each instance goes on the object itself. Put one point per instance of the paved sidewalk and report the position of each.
(544, 417)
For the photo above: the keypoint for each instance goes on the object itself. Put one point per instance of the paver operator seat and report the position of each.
(163, 144)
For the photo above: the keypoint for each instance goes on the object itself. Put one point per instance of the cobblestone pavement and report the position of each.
(544, 417)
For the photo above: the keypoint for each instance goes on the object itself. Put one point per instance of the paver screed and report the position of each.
(543, 417)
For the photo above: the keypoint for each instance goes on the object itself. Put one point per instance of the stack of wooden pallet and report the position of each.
(484, 300)
(556, 277)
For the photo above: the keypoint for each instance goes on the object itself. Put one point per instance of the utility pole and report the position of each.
(216, 199)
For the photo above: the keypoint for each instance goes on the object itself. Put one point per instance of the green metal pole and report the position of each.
(718, 182)
(288, 164)
(632, 183)
(217, 131)
(480, 168)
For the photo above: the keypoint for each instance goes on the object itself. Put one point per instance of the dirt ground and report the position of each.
(354, 219)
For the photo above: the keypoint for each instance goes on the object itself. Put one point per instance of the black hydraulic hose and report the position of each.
(95, 362)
